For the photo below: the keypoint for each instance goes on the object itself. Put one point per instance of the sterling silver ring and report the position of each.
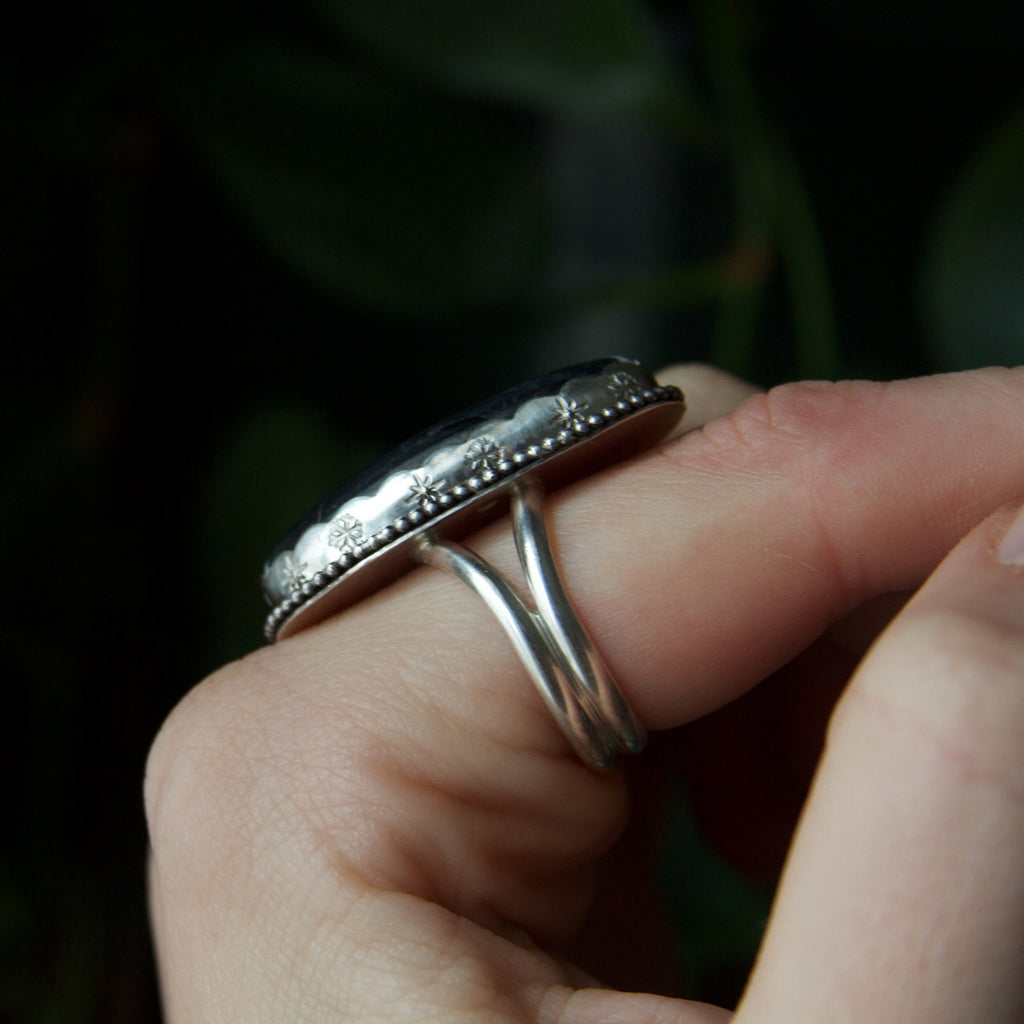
(413, 505)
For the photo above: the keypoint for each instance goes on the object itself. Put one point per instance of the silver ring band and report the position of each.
(551, 642)
(412, 507)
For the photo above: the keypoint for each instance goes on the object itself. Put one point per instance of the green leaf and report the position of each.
(973, 282)
(590, 57)
(377, 193)
(773, 212)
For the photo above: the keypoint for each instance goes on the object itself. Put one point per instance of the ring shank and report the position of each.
(549, 638)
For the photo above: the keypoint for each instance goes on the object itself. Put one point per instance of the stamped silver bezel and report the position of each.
(452, 481)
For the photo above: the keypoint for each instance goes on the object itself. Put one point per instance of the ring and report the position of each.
(412, 506)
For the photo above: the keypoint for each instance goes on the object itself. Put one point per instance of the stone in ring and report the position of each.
(412, 506)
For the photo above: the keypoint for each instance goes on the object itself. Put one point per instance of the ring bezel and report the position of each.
(451, 478)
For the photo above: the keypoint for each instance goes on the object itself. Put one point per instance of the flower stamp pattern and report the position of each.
(426, 492)
(346, 534)
(570, 413)
(485, 454)
(294, 574)
(622, 384)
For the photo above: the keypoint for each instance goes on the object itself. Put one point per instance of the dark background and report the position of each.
(246, 246)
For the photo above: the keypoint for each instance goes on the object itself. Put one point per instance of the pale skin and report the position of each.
(377, 820)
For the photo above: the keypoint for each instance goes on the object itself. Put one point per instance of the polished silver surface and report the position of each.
(413, 505)
(551, 642)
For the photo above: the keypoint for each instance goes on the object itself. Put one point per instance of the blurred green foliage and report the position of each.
(598, 59)
(249, 245)
(439, 211)
(973, 281)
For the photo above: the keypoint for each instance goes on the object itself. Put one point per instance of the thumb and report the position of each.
(903, 899)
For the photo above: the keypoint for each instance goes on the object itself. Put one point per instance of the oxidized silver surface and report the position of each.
(448, 479)
(451, 478)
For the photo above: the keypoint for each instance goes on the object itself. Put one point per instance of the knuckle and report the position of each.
(789, 429)
(260, 760)
(176, 760)
(203, 764)
(810, 444)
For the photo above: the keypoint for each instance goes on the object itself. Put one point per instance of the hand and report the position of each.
(378, 821)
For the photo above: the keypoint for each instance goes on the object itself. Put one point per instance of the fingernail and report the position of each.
(1011, 547)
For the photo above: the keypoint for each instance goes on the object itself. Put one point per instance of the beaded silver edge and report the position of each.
(495, 465)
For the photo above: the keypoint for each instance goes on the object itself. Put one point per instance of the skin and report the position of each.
(377, 821)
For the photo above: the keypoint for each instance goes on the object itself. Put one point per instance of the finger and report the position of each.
(710, 393)
(903, 900)
(748, 766)
(713, 560)
(599, 1006)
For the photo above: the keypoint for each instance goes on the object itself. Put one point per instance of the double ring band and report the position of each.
(413, 505)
